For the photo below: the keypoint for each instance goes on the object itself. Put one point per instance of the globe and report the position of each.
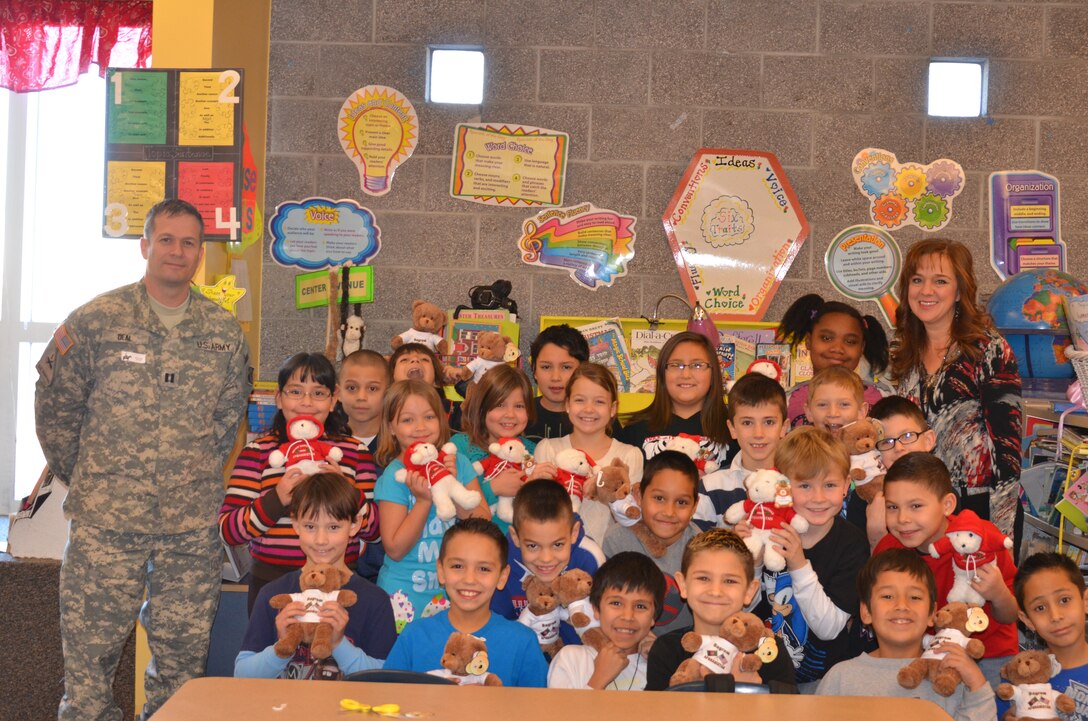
(1027, 308)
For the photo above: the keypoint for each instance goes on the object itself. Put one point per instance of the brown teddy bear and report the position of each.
(491, 350)
(427, 323)
(1030, 690)
(955, 622)
(866, 469)
(575, 608)
(743, 644)
(464, 661)
(319, 582)
(542, 612)
(612, 487)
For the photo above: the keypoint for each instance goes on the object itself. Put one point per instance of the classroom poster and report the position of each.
(174, 133)
(735, 226)
(320, 233)
(514, 164)
(1025, 222)
(593, 244)
(312, 289)
(378, 130)
(863, 263)
(907, 193)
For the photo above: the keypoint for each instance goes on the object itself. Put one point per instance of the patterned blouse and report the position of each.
(975, 410)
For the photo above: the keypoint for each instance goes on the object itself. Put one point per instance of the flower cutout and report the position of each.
(911, 181)
(930, 211)
(889, 210)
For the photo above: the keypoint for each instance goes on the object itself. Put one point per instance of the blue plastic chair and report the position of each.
(383, 675)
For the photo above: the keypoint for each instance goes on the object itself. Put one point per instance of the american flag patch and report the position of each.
(62, 339)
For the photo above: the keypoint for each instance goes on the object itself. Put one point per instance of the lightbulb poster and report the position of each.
(378, 130)
(509, 164)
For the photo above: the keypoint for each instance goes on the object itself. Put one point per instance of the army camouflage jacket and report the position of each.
(138, 420)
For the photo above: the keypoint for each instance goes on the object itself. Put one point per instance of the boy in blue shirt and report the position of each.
(471, 565)
(323, 513)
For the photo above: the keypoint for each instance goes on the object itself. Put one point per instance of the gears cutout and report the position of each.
(877, 179)
(930, 211)
(921, 195)
(944, 178)
(889, 210)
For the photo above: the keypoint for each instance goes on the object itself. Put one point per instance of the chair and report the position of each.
(384, 675)
(720, 683)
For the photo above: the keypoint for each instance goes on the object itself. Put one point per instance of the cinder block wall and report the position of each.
(640, 85)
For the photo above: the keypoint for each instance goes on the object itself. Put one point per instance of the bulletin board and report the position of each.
(173, 134)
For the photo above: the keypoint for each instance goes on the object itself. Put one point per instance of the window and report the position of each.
(54, 256)
(455, 76)
(957, 88)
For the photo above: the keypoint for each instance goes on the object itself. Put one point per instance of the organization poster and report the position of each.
(1025, 222)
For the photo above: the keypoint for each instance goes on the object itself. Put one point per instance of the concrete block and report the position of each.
(438, 123)
(551, 23)
(704, 78)
(829, 200)
(607, 185)
(645, 133)
(886, 28)
(510, 74)
(654, 287)
(989, 30)
(498, 241)
(610, 77)
(653, 256)
(427, 240)
(304, 126)
(1063, 147)
(837, 138)
(380, 332)
(817, 83)
(967, 210)
(449, 288)
(278, 292)
(571, 119)
(293, 70)
(337, 177)
(901, 85)
(346, 68)
(661, 184)
(284, 338)
(1066, 28)
(1054, 88)
(288, 177)
(777, 26)
(436, 188)
(651, 23)
(787, 135)
(323, 20)
(555, 293)
(394, 291)
(455, 22)
(982, 143)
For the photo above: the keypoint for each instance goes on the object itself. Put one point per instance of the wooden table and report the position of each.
(239, 699)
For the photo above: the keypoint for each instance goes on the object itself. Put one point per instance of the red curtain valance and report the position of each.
(50, 43)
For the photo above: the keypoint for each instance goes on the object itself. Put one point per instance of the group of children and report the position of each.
(844, 620)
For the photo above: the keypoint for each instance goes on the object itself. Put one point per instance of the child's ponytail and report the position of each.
(876, 344)
(799, 318)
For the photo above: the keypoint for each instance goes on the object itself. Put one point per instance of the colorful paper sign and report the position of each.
(252, 222)
(131, 189)
(137, 111)
(514, 164)
(735, 226)
(320, 233)
(206, 107)
(863, 263)
(1025, 222)
(594, 244)
(907, 193)
(378, 129)
(223, 292)
(312, 289)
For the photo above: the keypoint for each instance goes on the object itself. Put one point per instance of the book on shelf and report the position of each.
(461, 332)
(608, 347)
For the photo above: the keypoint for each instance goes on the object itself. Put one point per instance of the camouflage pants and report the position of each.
(103, 581)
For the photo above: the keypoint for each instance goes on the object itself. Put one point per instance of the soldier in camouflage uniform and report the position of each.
(139, 399)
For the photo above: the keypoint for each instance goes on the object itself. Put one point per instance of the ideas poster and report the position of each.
(594, 244)
(514, 164)
(1025, 224)
(174, 133)
(735, 226)
(321, 233)
(378, 130)
(907, 193)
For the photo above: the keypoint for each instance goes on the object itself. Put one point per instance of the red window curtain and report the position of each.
(50, 43)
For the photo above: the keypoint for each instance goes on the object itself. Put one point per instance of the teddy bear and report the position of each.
(491, 350)
(612, 487)
(464, 661)
(541, 613)
(427, 322)
(447, 493)
(302, 448)
(744, 643)
(1032, 696)
(764, 515)
(506, 453)
(954, 622)
(318, 583)
(574, 607)
(691, 447)
(574, 468)
(973, 543)
(866, 469)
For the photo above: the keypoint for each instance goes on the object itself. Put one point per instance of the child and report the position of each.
(471, 565)
(254, 510)
(592, 400)
(364, 376)
(498, 408)
(544, 540)
(835, 334)
(410, 529)
(417, 362)
(836, 398)
(918, 503)
(1050, 592)
(716, 577)
(554, 355)
(899, 599)
(812, 602)
(323, 513)
(628, 594)
(667, 497)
